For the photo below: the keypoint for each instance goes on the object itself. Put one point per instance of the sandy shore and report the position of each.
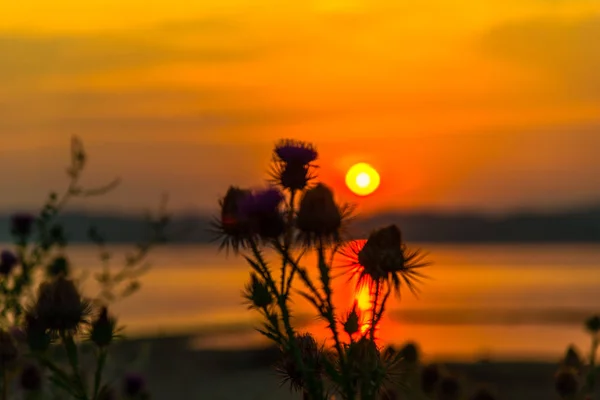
(175, 371)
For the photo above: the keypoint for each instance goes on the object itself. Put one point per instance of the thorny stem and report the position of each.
(330, 315)
(288, 241)
(285, 317)
(71, 350)
(374, 309)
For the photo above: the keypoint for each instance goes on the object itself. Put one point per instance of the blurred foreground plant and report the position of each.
(37, 323)
(295, 215)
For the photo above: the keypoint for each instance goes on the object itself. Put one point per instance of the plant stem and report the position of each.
(72, 355)
(374, 310)
(101, 361)
(285, 317)
(330, 315)
(288, 240)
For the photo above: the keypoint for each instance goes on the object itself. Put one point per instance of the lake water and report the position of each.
(497, 301)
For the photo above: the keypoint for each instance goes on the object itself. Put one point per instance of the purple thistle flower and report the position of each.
(295, 152)
(7, 262)
(262, 209)
(22, 224)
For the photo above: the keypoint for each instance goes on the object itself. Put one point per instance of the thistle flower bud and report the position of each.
(449, 388)
(59, 266)
(410, 353)
(293, 160)
(59, 306)
(261, 209)
(430, 377)
(593, 325)
(102, 331)
(351, 325)
(312, 357)
(572, 359)
(22, 225)
(8, 261)
(232, 227)
(382, 253)
(8, 351)
(134, 385)
(566, 382)
(30, 378)
(319, 217)
(257, 293)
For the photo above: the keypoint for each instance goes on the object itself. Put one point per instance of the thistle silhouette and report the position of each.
(293, 216)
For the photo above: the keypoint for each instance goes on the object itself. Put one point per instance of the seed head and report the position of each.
(292, 161)
(102, 330)
(319, 218)
(8, 261)
(30, 378)
(566, 382)
(572, 359)
(60, 307)
(257, 293)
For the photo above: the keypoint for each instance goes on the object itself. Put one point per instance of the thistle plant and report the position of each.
(43, 325)
(292, 216)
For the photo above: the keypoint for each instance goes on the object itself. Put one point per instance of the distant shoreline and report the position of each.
(573, 227)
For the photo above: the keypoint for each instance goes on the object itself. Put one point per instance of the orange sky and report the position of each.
(470, 104)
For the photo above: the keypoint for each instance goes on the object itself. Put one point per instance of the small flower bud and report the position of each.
(59, 266)
(30, 378)
(319, 217)
(59, 305)
(351, 325)
(566, 382)
(257, 293)
(410, 353)
(7, 262)
(103, 329)
(593, 324)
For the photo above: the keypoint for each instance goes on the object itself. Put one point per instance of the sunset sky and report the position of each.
(483, 104)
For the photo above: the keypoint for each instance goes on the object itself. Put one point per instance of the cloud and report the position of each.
(565, 49)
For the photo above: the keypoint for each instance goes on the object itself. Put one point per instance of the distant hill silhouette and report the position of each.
(576, 226)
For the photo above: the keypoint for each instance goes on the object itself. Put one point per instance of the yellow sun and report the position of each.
(362, 179)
